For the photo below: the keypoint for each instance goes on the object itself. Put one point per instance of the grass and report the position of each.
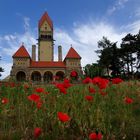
(108, 114)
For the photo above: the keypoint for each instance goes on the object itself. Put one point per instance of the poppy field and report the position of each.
(96, 109)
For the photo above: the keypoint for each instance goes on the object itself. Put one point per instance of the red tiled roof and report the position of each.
(47, 18)
(47, 64)
(21, 52)
(72, 54)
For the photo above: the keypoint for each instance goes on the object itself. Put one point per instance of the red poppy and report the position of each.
(63, 117)
(46, 93)
(102, 93)
(12, 85)
(116, 80)
(26, 86)
(61, 88)
(87, 80)
(100, 82)
(89, 98)
(37, 132)
(39, 104)
(95, 136)
(34, 97)
(73, 74)
(66, 83)
(96, 80)
(128, 100)
(4, 101)
(103, 83)
(91, 90)
(39, 90)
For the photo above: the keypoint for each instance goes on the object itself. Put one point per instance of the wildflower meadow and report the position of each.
(96, 109)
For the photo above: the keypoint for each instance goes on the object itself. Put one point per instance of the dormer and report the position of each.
(72, 59)
(21, 58)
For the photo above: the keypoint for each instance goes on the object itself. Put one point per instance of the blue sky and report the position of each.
(81, 23)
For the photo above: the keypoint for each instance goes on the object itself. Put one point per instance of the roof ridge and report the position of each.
(72, 53)
(44, 17)
(21, 52)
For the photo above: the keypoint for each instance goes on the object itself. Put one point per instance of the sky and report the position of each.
(80, 23)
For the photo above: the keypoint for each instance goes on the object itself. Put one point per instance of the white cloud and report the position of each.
(26, 23)
(134, 27)
(83, 37)
(117, 5)
(11, 42)
(7, 68)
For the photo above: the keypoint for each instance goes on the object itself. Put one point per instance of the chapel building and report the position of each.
(45, 69)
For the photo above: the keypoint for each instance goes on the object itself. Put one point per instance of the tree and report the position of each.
(1, 69)
(138, 51)
(92, 70)
(127, 51)
(115, 65)
(109, 57)
(104, 53)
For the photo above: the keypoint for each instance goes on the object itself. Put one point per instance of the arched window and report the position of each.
(48, 76)
(21, 76)
(59, 75)
(36, 76)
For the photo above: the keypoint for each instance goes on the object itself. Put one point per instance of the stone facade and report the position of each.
(26, 68)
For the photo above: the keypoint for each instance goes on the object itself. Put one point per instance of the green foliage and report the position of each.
(92, 70)
(109, 56)
(122, 61)
(108, 114)
(1, 69)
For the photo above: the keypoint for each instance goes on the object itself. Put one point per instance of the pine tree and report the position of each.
(1, 69)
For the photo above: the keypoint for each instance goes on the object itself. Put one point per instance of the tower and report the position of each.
(59, 53)
(45, 39)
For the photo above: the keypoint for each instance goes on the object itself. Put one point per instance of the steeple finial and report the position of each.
(22, 43)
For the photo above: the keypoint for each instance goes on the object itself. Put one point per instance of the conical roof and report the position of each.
(46, 17)
(72, 54)
(21, 52)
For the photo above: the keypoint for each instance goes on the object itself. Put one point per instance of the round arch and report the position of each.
(21, 76)
(60, 75)
(36, 76)
(48, 76)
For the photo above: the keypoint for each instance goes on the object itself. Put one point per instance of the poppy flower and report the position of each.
(73, 74)
(26, 86)
(4, 101)
(34, 97)
(12, 85)
(61, 88)
(95, 136)
(100, 82)
(91, 90)
(66, 83)
(128, 100)
(39, 104)
(96, 80)
(39, 90)
(116, 80)
(102, 93)
(87, 80)
(63, 117)
(37, 132)
(89, 98)
(103, 83)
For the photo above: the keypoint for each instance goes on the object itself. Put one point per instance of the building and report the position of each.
(45, 69)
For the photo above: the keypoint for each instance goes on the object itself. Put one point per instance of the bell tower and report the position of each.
(45, 38)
